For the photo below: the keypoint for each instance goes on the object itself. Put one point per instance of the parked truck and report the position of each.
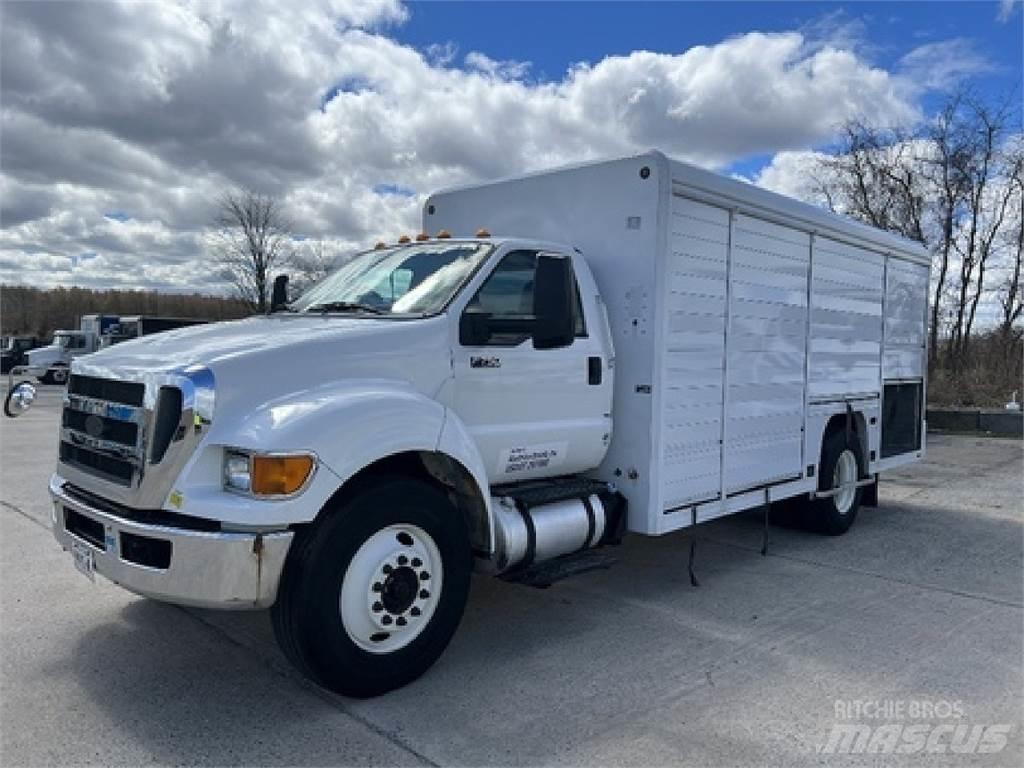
(14, 351)
(640, 346)
(51, 364)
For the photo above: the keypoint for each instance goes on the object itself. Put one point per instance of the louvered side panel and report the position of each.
(694, 352)
(846, 320)
(767, 349)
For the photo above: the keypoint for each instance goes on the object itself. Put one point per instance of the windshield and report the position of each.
(415, 279)
(66, 340)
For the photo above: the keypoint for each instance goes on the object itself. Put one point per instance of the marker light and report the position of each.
(444, 233)
(279, 475)
(422, 236)
(403, 239)
(380, 246)
(482, 233)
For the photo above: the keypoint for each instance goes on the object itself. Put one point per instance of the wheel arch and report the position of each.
(435, 467)
(858, 425)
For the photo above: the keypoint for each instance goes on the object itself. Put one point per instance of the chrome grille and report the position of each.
(127, 440)
(102, 437)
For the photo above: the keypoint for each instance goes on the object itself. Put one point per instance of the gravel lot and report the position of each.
(922, 602)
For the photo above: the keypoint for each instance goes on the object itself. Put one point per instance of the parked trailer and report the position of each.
(641, 345)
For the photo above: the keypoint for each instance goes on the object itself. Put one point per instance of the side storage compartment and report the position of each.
(904, 360)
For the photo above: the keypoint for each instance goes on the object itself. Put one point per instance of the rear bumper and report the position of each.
(223, 570)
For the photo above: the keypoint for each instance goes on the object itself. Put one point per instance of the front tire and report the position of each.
(372, 593)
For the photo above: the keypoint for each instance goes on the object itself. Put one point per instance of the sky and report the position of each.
(122, 124)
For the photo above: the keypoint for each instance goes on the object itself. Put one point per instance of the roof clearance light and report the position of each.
(422, 236)
(380, 246)
(404, 239)
(482, 233)
(444, 233)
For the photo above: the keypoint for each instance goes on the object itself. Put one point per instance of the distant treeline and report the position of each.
(41, 311)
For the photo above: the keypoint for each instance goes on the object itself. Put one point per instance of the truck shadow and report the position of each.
(185, 695)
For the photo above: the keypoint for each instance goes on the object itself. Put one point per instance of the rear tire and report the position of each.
(841, 464)
(372, 593)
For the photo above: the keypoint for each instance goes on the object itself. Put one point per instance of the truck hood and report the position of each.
(263, 358)
(43, 355)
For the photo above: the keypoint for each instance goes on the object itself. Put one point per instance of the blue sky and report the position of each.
(553, 36)
(125, 122)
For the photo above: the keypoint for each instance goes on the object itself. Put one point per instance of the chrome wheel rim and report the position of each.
(391, 588)
(844, 478)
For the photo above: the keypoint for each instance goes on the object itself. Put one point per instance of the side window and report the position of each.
(508, 293)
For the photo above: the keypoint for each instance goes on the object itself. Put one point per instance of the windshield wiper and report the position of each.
(345, 306)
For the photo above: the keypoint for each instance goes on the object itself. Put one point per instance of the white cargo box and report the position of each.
(743, 321)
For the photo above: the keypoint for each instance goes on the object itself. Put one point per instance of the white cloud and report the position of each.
(152, 110)
(943, 64)
(1005, 12)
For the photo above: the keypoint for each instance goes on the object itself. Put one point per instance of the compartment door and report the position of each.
(767, 341)
(693, 353)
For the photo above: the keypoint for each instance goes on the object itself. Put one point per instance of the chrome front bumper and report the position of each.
(206, 569)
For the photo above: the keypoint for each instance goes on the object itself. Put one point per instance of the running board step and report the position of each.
(545, 573)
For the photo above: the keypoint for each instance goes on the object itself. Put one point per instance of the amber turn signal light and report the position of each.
(279, 475)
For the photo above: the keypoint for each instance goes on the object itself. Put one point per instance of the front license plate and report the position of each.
(84, 559)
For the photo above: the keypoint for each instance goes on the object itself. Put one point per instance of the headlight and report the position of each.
(272, 474)
(237, 475)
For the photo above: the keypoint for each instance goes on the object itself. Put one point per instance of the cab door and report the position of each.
(532, 412)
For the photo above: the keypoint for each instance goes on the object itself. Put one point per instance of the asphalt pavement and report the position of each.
(914, 618)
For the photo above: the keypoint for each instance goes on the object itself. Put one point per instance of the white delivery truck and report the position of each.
(50, 364)
(640, 346)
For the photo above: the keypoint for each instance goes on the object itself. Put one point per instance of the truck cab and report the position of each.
(196, 465)
(52, 362)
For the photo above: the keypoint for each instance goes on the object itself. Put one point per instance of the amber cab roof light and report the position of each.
(422, 236)
(404, 239)
(380, 246)
(444, 233)
(482, 233)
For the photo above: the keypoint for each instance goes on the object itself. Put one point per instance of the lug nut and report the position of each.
(378, 607)
(424, 594)
(386, 568)
(416, 562)
(386, 620)
(424, 576)
(414, 611)
(377, 586)
(400, 621)
(402, 559)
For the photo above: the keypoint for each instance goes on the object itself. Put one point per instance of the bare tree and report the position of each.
(985, 168)
(1011, 291)
(253, 237)
(945, 184)
(311, 264)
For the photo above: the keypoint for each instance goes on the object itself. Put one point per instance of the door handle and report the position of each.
(594, 370)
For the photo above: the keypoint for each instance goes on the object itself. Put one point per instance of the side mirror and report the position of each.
(553, 302)
(279, 297)
(474, 328)
(19, 399)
